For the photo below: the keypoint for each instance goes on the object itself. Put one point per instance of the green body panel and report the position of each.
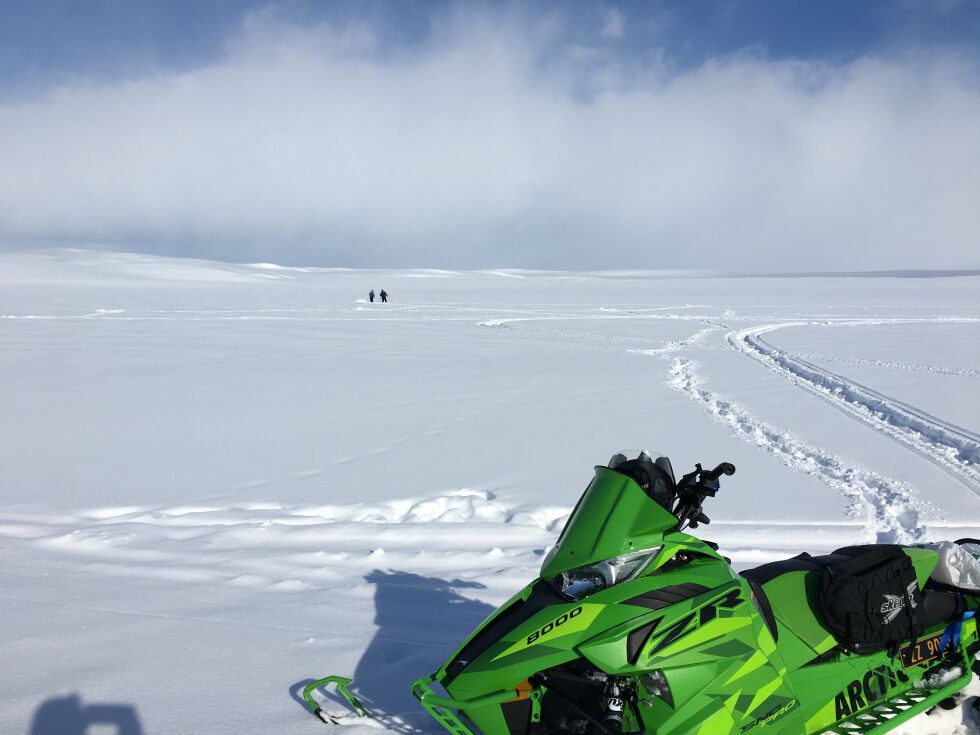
(512, 659)
(607, 651)
(723, 668)
(490, 719)
(691, 619)
(787, 594)
(613, 517)
(795, 652)
(924, 561)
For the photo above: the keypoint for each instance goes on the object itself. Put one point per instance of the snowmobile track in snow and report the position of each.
(890, 508)
(951, 447)
(912, 367)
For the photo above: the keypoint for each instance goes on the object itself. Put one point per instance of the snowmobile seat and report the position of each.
(788, 582)
(802, 563)
(940, 606)
(792, 587)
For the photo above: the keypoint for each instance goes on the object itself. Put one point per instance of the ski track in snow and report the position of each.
(951, 447)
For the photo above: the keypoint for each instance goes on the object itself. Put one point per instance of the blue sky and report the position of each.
(46, 42)
(773, 134)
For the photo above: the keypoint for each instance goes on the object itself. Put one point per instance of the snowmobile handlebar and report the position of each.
(692, 491)
(725, 468)
(705, 480)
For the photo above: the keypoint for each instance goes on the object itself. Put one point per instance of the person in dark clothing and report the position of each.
(371, 295)
(384, 296)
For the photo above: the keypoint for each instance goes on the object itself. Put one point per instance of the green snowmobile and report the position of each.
(635, 626)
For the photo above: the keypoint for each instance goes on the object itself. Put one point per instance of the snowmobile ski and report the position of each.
(343, 684)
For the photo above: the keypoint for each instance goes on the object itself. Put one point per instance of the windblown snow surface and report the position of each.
(222, 481)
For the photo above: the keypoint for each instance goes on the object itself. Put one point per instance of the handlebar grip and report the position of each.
(725, 468)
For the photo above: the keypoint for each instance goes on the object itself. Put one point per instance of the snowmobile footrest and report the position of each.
(897, 710)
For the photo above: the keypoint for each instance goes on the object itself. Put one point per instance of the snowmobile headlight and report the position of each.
(583, 581)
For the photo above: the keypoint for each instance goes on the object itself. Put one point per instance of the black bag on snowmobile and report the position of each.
(871, 599)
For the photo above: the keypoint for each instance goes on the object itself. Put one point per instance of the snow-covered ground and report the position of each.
(221, 481)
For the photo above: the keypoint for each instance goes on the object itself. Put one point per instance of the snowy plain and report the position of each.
(221, 481)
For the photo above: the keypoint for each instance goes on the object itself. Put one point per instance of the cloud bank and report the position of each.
(502, 143)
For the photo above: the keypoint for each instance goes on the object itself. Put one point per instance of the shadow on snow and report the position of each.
(421, 621)
(68, 716)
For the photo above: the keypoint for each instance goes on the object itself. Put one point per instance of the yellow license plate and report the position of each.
(921, 651)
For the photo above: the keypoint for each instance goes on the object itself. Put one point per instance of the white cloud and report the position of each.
(488, 148)
(613, 23)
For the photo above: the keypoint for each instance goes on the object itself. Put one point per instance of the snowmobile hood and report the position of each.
(613, 517)
(540, 628)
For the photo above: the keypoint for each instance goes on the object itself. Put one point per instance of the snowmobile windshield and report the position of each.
(650, 470)
(614, 517)
(627, 455)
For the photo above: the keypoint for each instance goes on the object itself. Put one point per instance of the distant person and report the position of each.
(371, 295)
(384, 296)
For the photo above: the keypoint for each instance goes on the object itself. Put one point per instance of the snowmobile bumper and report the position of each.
(444, 709)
